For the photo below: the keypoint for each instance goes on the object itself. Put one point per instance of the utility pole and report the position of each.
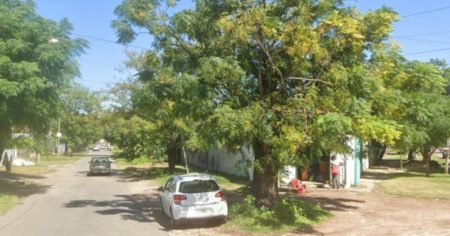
(58, 136)
(446, 164)
(446, 156)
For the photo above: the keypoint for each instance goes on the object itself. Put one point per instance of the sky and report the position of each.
(423, 33)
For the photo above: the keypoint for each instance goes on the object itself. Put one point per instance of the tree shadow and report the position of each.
(335, 204)
(17, 176)
(145, 173)
(385, 175)
(22, 189)
(137, 207)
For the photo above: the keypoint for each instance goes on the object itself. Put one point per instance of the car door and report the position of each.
(165, 195)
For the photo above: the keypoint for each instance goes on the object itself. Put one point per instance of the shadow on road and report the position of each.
(136, 207)
(16, 176)
(335, 204)
(143, 208)
(132, 174)
(21, 189)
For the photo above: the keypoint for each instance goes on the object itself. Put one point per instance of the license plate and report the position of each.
(204, 210)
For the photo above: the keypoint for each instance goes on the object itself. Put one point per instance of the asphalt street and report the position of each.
(77, 204)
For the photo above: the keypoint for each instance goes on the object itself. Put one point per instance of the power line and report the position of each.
(108, 41)
(428, 51)
(426, 12)
(428, 41)
(422, 34)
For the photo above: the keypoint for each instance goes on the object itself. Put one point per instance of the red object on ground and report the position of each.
(297, 185)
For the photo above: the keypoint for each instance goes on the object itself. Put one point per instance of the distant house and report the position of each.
(352, 164)
(240, 164)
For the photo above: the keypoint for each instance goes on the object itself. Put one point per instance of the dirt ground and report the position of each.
(376, 213)
(355, 212)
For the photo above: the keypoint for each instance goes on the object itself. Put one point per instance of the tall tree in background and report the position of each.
(37, 58)
(269, 73)
(426, 118)
(80, 117)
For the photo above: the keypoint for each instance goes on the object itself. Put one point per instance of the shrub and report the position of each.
(288, 213)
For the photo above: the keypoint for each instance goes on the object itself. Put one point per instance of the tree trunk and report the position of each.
(172, 155)
(376, 151)
(265, 176)
(412, 154)
(7, 162)
(426, 154)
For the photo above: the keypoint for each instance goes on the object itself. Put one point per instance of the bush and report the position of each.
(141, 160)
(288, 213)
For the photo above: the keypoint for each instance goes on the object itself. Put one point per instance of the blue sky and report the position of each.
(102, 65)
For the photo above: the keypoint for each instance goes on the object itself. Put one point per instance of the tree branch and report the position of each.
(266, 52)
(306, 79)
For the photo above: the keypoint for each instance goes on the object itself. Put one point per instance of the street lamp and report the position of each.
(53, 40)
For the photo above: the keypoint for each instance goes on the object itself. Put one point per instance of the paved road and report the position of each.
(75, 204)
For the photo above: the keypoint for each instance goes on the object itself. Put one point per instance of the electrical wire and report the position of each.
(428, 51)
(107, 41)
(422, 34)
(427, 41)
(426, 12)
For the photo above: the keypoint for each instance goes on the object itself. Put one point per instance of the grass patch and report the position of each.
(289, 214)
(145, 169)
(7, 202)
(58, 160)
(416, 185)
(411, 182)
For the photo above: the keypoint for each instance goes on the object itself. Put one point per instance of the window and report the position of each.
(198, 186)
(168, 183)
(173, 187)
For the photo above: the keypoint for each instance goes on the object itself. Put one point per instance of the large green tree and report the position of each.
(276, 75)
(37, 58)
(80, 117)
(426, 118)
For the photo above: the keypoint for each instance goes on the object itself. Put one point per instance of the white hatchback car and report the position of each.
(193, 197)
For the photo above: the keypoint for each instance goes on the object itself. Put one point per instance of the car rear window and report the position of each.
(102, 160)
(198, 186)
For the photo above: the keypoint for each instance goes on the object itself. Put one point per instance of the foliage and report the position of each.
(423, 114)
(32, 70)
(136, 137)
(288, 213)
(268, 74)
(80, 118)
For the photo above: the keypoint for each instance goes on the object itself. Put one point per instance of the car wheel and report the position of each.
(223, 220)
(173, 222)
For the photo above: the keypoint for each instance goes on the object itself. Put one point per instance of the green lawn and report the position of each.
(416, 185)
(413, 183)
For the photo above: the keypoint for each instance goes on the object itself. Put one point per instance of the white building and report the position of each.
(240, 164)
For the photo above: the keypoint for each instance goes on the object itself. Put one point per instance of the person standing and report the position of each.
(335, 172)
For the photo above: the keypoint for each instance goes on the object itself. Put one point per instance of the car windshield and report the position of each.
(100, 160)
(198, 186)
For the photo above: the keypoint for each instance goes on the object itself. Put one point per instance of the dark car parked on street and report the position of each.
(99, 165)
